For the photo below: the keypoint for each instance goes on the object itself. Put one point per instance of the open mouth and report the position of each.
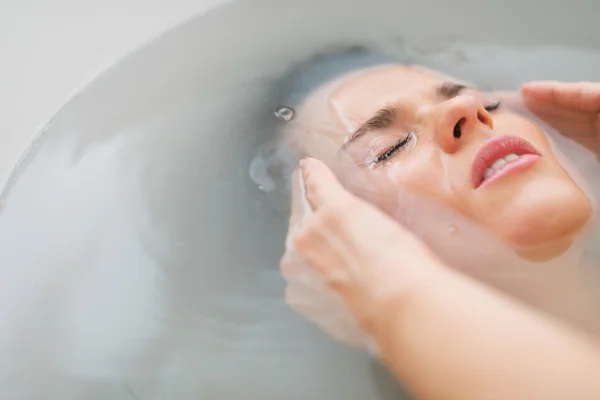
(501, 156)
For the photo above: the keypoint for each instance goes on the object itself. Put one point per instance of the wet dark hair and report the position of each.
(307, 76)
(279, 158)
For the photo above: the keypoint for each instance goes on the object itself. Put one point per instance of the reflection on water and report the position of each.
(138, 259)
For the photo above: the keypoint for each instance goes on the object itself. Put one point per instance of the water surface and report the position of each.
(139, 259)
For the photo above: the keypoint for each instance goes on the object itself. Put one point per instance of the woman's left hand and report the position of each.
(360, 256)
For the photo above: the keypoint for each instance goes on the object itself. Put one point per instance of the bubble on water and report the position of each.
(285, 114)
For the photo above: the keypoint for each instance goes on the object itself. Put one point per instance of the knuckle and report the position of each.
(303, 239)
(311, 232)
(338, 281)
(306, 241)
(336, 215)
(332, 215)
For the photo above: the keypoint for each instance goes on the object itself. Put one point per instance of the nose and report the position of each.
(458, 118)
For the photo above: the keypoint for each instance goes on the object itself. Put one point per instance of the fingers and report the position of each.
(573, 126)
(322, 187)
(572, 108)
(580, 96)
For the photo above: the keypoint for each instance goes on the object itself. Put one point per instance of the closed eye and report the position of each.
(393, 150)
(492, 107)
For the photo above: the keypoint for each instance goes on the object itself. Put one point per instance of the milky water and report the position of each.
(140, 260)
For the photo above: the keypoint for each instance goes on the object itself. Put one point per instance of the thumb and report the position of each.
(300, 209)
(321, 185)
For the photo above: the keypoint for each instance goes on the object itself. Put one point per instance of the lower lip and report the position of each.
(513, 167)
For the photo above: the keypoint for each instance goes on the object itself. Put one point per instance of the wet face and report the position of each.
(432, 135)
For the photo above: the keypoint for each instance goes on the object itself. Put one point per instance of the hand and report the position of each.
(571, 108)
(361, 257)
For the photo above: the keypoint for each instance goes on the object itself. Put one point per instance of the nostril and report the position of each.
(457, 128)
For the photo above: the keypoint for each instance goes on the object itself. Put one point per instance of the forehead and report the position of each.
(357, 97)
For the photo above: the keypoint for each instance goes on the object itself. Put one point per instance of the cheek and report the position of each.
(423, 174)
(512, 124)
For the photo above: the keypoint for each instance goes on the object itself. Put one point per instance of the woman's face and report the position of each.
(432, 135)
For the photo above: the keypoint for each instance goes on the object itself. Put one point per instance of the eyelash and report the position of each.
(393, 150)
(405, 140)
(492, 107)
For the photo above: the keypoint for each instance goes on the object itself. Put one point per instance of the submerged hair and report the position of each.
(276, 159)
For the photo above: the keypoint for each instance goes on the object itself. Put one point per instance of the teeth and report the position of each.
(499, 163)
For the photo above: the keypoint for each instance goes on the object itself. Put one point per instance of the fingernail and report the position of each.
(302, 162)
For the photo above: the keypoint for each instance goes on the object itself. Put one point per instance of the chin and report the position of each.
(547, 222)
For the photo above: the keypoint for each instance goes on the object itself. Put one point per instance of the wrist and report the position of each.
(407, 281)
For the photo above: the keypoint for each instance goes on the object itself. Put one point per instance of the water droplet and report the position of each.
(260, 166)
(452, 228)
(285, 114)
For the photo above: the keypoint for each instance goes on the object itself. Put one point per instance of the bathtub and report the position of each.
(139, 259)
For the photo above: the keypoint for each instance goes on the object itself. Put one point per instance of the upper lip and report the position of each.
(496, 148)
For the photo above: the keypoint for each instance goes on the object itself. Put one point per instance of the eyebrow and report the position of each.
(385, 117)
